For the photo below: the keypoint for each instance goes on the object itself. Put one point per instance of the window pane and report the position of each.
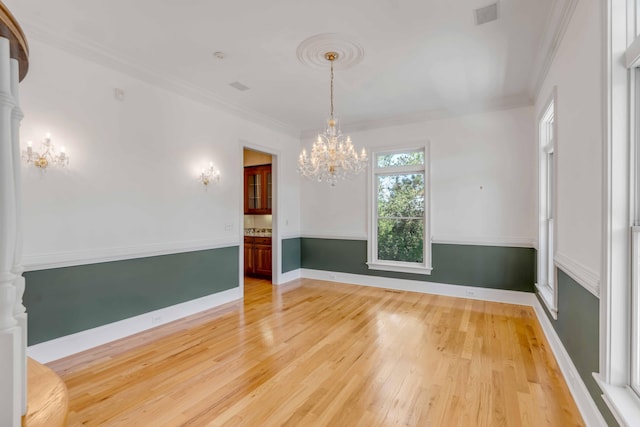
(401, 240)
(401, 196)
(400, 159)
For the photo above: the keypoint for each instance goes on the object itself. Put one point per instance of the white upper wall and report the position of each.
(483, 180)
(576, 72)
(132, 185)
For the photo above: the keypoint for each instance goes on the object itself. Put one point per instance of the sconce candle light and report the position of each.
(209, 175)
(47, 155)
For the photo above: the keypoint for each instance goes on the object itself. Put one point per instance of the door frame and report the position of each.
(276, 241)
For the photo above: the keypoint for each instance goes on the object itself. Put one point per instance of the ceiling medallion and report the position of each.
(312, 50)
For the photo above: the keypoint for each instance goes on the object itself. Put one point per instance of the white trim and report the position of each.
(373, 262)
(336, 236)
(94, 256)
(546, 133)
(512, 242)
(622, 401)
(399, 267)
(277, 220)
(558, 22)
(460, 291)
(546, 293)
(632, 55)
(587, 278)
(290, 235)
(584, 401)
(75, 343)
(618, 106)
(91, 51)
(289, 276)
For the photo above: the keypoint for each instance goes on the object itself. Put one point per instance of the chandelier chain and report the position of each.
(331, 88)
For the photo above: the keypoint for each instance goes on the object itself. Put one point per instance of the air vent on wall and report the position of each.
(486, 14)
(239, 86)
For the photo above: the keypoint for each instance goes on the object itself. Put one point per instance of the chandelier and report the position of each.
(47, 156)
(332, 155)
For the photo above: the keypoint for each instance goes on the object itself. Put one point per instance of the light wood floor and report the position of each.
(323, 354)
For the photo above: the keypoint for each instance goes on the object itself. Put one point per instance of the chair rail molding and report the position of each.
(587, 278)
(33, 262)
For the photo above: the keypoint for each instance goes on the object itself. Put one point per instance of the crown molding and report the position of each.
(557, 23)
(94, 52)
(497, 104)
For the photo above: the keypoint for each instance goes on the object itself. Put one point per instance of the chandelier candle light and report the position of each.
(332, 155)
(47, 155)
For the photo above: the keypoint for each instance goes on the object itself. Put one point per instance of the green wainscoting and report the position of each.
(291, 259)
(483, 266)
(62, 301)
(578, 327)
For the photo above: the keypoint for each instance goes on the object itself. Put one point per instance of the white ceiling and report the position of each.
(420, 56)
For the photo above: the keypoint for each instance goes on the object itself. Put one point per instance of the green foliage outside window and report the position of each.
(401, 208)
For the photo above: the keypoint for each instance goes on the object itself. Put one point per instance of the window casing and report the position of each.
(546, 285)
(399, 237)
(619, 375)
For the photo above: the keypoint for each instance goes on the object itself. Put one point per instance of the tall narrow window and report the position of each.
(399, 236)
(546, 270)
(635, 244)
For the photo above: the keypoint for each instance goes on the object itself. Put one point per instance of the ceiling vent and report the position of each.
(239, 86)
(486, 14)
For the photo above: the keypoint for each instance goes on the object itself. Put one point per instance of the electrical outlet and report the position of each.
(155, 320)
(332, 276)
(471, 293)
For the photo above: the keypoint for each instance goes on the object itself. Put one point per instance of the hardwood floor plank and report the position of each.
(315, 353)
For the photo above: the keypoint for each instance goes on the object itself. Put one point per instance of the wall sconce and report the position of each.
(209, 175)
(47, 155)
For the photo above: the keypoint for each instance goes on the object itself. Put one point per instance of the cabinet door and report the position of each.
(262, 256)
(253, 190)
(249, 264)
(269, 191)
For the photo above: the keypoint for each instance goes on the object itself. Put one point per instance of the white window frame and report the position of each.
(621, 200)
(547, 178)
(372, 236)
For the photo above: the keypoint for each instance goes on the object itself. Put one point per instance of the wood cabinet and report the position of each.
(257, 190)
(257, 256)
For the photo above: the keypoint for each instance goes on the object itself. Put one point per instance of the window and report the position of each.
(635, 240)
(546, 207)
(399, 232)
(619, 375)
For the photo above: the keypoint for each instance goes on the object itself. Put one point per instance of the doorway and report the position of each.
(258, 216)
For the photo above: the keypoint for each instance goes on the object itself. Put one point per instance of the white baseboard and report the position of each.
(471, 292)
(75, 343)
(289, 276)
(584, 401)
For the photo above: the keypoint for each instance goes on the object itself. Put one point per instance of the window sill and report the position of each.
(622, 401)
(546, 294)
(400, 267)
